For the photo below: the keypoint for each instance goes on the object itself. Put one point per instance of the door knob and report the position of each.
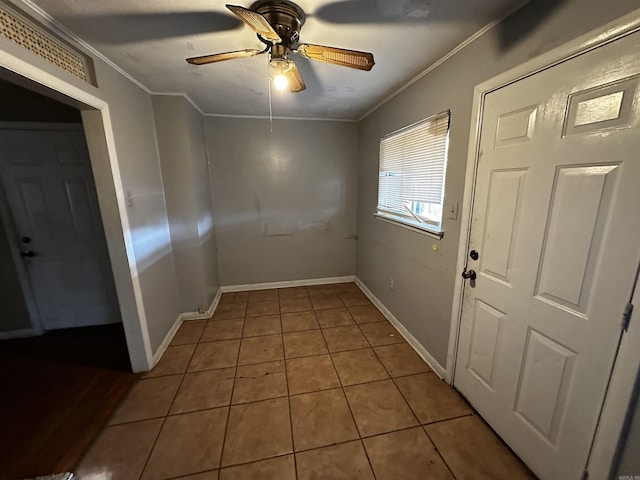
(27, 253)
(471, 274)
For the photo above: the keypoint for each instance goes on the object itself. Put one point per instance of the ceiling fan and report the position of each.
(277, 24)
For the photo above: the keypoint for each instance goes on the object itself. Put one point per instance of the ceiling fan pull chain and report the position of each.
(270, 107)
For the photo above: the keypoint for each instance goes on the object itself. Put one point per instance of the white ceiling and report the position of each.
(151, 39)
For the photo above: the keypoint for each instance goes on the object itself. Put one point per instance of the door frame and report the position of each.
(627, 363)
(98, 128)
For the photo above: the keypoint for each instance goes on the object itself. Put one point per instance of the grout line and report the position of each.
(286, 378)
(233, 386)
(438, 452)
(353, 418)
(164, 419)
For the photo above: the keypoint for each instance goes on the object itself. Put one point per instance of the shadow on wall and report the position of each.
(525, 21)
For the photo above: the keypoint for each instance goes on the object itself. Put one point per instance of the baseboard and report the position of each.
(290, 283)
(411, 340)
(185, 316)
(208, 313)
(22, 333)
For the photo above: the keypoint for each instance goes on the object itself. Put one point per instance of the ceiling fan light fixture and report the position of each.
(281, 82)
(281, 67)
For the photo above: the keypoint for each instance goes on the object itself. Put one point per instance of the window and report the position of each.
(412, 169)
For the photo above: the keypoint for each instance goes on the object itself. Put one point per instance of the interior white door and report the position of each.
(49, 186)
(556, 223)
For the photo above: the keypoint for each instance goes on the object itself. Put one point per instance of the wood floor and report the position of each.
(58, 391)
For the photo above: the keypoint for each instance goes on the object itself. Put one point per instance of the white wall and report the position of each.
(185, 173)
(424, 279)
(272, 191)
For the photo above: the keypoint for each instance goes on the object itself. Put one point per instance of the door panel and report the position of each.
(556, 220)
(47, 178)
(572, 243)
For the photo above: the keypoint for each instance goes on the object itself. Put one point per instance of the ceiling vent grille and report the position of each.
(32, 37)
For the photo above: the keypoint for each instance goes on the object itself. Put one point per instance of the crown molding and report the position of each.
(443, 59)
(266, 117)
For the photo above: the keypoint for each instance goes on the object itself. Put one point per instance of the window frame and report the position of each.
(410, 221)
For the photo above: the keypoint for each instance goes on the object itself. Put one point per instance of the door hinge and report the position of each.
(626, 316)
(585, 475)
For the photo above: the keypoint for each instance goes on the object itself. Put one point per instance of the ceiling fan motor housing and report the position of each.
(285, 17)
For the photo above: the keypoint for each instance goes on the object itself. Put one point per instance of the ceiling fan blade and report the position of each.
(256, 21)
(221, 57)
(294, 79)
(338, 56)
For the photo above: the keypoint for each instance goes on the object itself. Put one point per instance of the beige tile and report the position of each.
(401, 360)
(405, 455)
(257, 431)
(352, 299)
(303, 344)
(260, 382)
(234, 297)
(293, 292)
(350, 287)
(379, 408)
(175, 360)
(256, 309)
(210, 475)
(344, 338)
(279, 468)
(322, 302)
(263, 295)
(288, 305)
(321, 290)
(212, 355)
(261, 349)
(320, 419)
(222, 330)
(202, 390)
(230, 310)
(120, 451)
(431, 399)
(264, 325)
(381, 333)
(472, 450)
(334, 317)
(346, 461)
(309, 374)
(148, 398)
(358, 366)
(189, 332)
(187, 444)
(366, 314)
(294, 322)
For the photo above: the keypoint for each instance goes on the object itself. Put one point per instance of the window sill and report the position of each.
(414, 228)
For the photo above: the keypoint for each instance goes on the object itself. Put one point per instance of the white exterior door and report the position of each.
(46, 176)
(556, 225)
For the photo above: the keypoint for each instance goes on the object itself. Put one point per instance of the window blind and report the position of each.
(412, 166)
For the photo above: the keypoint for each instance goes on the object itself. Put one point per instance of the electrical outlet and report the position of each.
(392, 283)
(452, 211)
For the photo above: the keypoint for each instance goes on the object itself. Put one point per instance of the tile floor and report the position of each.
(297, 383)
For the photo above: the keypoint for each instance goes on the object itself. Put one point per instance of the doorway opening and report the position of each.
(70, 375)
